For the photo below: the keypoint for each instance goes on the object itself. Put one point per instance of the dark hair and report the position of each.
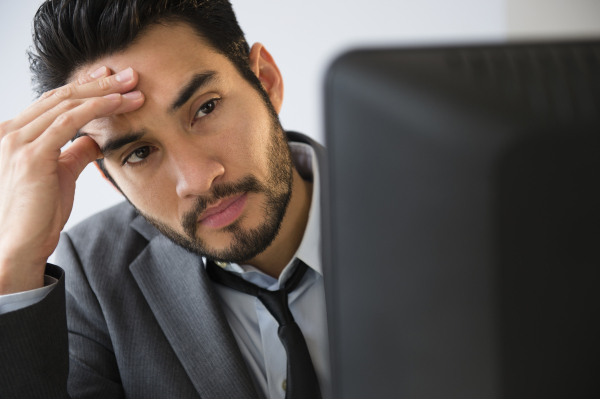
(68, 34)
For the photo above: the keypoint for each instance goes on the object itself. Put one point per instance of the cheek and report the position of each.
(246, 143)
(155, 197)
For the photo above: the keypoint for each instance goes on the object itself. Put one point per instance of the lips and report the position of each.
(225, 212)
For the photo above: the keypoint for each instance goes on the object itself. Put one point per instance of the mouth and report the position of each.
(224, 213)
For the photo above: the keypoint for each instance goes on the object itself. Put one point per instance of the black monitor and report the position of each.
(461, 222)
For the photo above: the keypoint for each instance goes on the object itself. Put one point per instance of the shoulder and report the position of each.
(302, 138)
(105, 241)
(106, 226)
(296, 137)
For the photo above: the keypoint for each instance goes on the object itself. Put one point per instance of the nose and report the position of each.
(195, 171)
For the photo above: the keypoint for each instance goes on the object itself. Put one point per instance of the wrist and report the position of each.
(19, 276)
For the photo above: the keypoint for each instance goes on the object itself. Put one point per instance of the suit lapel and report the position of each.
(182, 298)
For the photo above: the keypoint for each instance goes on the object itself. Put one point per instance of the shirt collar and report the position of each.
(309, 251)
(306, 163)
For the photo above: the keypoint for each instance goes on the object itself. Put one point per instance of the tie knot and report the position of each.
(276, 303)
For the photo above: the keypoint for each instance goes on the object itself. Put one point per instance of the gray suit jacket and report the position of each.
(142, 320)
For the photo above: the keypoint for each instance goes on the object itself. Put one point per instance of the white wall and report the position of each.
(303, 36)
(553, 18)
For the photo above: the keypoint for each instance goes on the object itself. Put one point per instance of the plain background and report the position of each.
(305, 36)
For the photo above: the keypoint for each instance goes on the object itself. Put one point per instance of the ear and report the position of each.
(106, 178)
(265, 69)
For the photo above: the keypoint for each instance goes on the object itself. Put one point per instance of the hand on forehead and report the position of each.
(165, 59)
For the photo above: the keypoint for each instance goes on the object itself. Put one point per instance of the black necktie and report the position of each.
(302, 380)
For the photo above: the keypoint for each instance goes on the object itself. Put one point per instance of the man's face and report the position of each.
(204, 160)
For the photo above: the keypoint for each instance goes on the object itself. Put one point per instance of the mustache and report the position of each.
(246, 184)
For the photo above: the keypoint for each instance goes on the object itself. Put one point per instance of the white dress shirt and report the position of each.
(254, 328)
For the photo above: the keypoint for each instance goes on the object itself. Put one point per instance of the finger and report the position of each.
(79, 154)
(125, 103)
(42, 104)
(84, 87)
(67, 124)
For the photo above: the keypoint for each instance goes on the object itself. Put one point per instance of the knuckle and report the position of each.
(63, 120)
(104, 84)
(8, 142)
(47, 94)
(69, 157)
(82, 80)
(4, 128)
(97, 102)
(67, 104)
(64, 92)
(9, 138)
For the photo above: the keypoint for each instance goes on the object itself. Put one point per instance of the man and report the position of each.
(183, 116)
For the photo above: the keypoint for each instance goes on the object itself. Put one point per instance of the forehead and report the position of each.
(164, 51)
(165, 57)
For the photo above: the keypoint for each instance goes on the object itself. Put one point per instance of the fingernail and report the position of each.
(98, 72)
(113, 96)
(133, 95)
(125, 76)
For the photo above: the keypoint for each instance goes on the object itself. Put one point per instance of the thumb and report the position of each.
(79, 154)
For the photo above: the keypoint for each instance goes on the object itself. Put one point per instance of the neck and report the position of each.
(274, 259)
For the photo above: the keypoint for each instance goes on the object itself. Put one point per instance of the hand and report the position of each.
(37, 181)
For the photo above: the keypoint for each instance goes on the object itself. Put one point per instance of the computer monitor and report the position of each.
(461, 221)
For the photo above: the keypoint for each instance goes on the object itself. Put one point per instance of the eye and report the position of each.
(206, 108)
(138, 155)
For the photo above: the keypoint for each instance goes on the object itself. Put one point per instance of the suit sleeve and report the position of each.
(60, 347)
(34, 356)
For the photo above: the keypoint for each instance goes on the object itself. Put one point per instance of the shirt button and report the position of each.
(284, 384)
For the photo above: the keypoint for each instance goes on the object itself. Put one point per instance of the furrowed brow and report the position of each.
(112, 145)
(197, 82)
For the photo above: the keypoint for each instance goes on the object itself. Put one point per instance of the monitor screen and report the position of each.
(461, 221)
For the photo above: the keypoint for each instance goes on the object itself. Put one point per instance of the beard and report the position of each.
(245, 243)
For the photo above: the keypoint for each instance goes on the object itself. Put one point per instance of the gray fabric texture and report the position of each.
(34, 358)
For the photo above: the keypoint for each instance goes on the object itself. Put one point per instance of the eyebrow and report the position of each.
(112, 145)
(196, 82)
